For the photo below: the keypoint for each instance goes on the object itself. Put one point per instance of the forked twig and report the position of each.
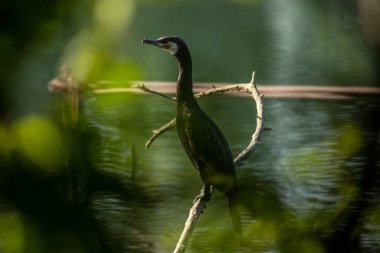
(249, 88)
(159, 131)
(200, 204)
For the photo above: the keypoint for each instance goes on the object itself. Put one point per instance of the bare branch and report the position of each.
(252, 89)
(172, 123)
(159, 131)
(194, 214)
(227, 88)
(249, 88)
(147, 90)
(200, 203)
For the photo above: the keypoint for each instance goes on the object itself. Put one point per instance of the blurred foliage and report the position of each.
(74, 175)
(91, 53)
(40, 141)
(6, 144)
(13, 237)
(350, 140)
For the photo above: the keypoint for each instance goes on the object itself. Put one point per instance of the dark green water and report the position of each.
(311, 183)
(305, 175)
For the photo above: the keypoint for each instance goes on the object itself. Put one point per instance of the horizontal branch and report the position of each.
(325, 92)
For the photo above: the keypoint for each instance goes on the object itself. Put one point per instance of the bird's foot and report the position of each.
(201, 197)
(204, 195)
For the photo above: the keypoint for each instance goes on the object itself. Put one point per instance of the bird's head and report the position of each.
(172, 44)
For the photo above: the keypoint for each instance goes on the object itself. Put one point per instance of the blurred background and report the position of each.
(74, 172)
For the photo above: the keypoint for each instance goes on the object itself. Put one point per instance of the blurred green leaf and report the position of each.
(40, 141)
(12, 234)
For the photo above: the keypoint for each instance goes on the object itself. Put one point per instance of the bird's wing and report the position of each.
(207, 142)
(183, 136)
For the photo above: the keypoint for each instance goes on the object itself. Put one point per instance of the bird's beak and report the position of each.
(157, 43)
(152, 42)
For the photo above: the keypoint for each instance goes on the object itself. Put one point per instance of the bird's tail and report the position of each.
(234, 212)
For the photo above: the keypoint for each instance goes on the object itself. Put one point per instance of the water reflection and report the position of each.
(305, 189)
(306, 169)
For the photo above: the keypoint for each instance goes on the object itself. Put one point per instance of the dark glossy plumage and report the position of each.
(202, 140)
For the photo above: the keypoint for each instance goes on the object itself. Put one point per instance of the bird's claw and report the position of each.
(204, 195)
(201, 197)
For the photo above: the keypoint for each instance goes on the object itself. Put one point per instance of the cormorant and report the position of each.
(202, 140)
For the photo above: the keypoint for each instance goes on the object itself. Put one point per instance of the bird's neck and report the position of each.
(185, 81)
